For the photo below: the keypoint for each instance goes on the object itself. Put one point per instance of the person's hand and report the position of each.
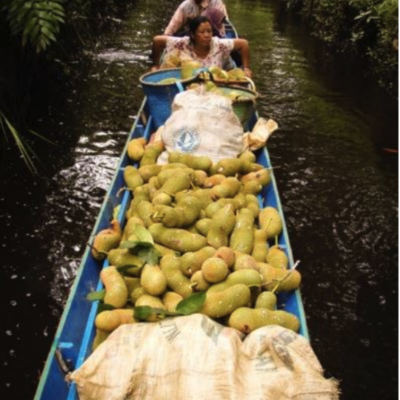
(248, 72)
(154, 68)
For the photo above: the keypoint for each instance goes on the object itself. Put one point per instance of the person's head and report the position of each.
(217, 18)
(200, 29)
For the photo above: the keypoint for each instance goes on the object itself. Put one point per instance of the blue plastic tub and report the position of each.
(160, 96)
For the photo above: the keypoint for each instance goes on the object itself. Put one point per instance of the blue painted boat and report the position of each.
(73, 340)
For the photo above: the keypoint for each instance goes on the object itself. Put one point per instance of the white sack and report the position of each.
(195, 358)
(202, 123)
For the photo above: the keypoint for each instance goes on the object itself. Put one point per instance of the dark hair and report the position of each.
(195, 22)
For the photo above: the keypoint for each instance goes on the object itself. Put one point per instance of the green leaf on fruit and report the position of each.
(145, 312)
(149, 255)
(143, 234)
(192, 304)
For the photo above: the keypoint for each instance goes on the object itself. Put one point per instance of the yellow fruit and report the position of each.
(135, 148)
(247, 319)
(179, 240)
(106, 240)
(109, 320)
(153, 280)
(270, 220)
(214, 269)
(220, 304)
(116, 291)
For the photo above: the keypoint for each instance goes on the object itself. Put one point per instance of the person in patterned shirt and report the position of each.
(190, 9)
(202, 46)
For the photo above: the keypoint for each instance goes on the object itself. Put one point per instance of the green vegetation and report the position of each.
(37, 38)
(365, 28)
(37, 22)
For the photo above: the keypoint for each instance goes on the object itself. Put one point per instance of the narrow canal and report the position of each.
(338, 188)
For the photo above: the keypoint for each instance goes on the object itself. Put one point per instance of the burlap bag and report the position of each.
(195, 358)
(202, 123)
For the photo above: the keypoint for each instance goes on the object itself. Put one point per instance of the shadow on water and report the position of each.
(338, 188)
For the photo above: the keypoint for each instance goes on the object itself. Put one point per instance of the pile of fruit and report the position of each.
(195, 241)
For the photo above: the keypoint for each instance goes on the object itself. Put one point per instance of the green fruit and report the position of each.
(136, 293)
(271, 221)
(191, 262)
(227, 254)
(212, 208)
(185, 212)
(109, 320)
(227, 188)
(151, 301)
(214, 269)
(260, 247)
(167, 81)
(116, 292)
(221, 226)
(242, 237)
(198, 283)
(244, 261)
(228, 166)
(251, 187)
(171, 300)
(266, 300)
(277, 257)
(151, 153)
(106, 240)
(203, 226)
(135, 149)
(223, 303)
(153, 280)
(252, 203)
(181, 180)
(145, 211)
(131, 283)
(179, 240)
(176, 280)
(248, 155)
(123, 258)
(248, 277)
(279, 280)
(162, 198)
(132, 177)
(247, 320)
(147, 171)
(130, 227)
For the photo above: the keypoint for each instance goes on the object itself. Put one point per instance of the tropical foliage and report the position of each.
(36, 36)
(37, 21)
(366, 28)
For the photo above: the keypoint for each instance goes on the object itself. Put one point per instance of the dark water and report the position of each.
(338, 188)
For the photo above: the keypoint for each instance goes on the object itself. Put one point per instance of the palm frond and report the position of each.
(36, 21)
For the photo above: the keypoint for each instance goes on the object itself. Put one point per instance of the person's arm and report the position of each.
(176, 23)
(242, 45)
(159, 44)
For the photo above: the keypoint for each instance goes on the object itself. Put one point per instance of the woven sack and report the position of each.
(195, 358)
(202, 123)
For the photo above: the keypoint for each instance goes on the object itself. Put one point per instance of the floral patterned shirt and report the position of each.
(219, 54)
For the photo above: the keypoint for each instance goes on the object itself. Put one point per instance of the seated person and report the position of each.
(203, 47)
(188, 10)
(217, 19)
